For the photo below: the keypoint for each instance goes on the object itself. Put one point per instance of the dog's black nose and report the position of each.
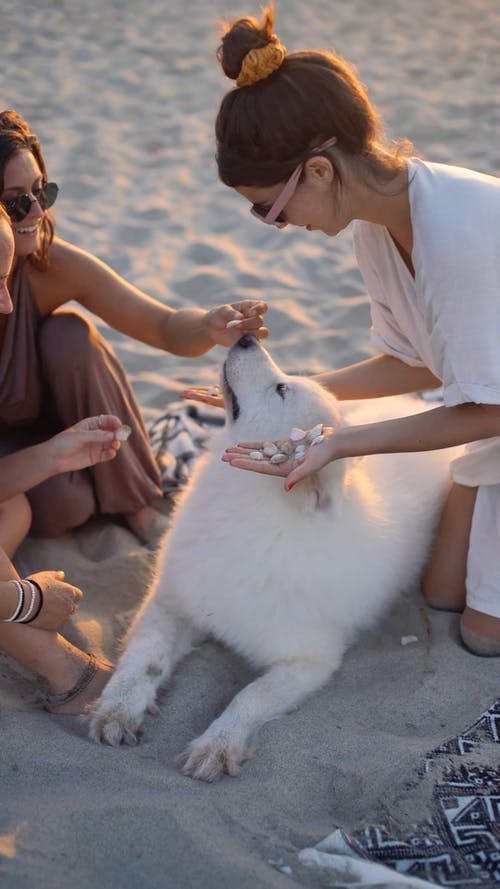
(246, 341)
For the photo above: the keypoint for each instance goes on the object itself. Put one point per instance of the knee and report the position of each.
(61, 504)
(67, 339)
(441, 591)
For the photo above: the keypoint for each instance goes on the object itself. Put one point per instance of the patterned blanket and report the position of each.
(179, 436)
(459, 842)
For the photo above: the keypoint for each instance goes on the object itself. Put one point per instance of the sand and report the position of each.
(123, 97)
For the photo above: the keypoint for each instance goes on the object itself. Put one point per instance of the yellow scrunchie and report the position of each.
(260, 63)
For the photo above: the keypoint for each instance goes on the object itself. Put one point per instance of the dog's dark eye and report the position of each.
(281, 389)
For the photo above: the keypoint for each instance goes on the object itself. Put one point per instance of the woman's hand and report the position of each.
(86, 443)
(60, 599)
(206, 394)
(248, 313)
(298, 465)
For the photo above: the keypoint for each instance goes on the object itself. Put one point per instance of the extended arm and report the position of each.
(376, 377)
(442, 427)
(74, 274)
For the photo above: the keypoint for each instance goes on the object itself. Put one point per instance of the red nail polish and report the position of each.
(290, 485)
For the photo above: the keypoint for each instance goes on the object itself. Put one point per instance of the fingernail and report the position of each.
(290, 485)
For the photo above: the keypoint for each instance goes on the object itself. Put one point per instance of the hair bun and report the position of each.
(249, 49)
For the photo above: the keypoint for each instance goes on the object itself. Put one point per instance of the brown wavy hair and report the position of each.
(16, 136)
(265, 129)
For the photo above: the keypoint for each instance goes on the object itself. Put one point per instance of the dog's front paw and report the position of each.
(113, 724)
(209, 758)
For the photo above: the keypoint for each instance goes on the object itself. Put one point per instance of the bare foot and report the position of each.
(147, 524)
(480, 632)
(93, 675)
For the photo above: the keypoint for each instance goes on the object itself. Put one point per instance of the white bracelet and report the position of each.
(20, 601)
(32, 587)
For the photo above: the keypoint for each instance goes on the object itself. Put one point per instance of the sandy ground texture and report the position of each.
(123, 96)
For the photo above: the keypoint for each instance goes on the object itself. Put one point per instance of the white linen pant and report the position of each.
(483, 560)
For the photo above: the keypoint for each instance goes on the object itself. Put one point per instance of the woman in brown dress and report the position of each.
(44, 601)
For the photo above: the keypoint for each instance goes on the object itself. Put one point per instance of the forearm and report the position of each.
(24, 469)
(442, 427)
(185, 333)
(8, 599)
(377, 377)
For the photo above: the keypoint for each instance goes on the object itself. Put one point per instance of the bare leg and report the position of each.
(147, 524)
(223, 747)
(444, 579)
(47, 654)
(155, 644)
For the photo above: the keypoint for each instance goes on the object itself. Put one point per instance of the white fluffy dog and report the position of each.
(286, 579)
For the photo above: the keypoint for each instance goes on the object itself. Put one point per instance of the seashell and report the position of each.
(214, 391)
(269, 449)
(256, 455)
(314, 432)
(234, 323)
(287, 448)
(408, 640)
(300, 449)
(122, 433)
(279, 458)
(297, 434)
(317, 440)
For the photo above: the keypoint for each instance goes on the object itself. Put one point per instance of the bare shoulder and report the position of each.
(68, 260)
(70, 271)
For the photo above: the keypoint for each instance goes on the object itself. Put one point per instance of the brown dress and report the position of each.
(55, 371)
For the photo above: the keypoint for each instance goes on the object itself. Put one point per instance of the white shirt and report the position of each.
(447, 318)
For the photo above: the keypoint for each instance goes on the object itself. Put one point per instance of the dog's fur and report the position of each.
(287, 580)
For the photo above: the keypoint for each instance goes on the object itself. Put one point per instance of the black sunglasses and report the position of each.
(19, 207)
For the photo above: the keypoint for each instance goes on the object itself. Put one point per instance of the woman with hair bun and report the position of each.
(55, 367)
(299, 139)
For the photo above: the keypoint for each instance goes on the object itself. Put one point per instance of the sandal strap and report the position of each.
(58, 698)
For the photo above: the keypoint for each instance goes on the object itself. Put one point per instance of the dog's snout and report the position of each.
(246, 341)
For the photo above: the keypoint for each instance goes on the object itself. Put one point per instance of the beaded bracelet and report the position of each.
(40, 603)
(32, 588)
(31, 614)
(20, 602)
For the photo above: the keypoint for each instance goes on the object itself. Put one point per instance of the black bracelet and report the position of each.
(40, 604)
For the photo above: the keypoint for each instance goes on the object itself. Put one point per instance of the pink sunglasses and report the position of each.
(274, 215)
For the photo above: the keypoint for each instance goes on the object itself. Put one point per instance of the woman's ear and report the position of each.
(319, 171)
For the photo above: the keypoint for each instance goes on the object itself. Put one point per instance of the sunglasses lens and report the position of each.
(18, 208)
(259, 211)
(47, 195)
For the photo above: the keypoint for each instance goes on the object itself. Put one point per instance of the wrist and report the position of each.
(340, 444)
(188, 332)
(28, 601)
(46, 458)
(9, 599)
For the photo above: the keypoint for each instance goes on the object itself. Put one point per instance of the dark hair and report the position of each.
(4, 216)
(16, 136)
(265, 129)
